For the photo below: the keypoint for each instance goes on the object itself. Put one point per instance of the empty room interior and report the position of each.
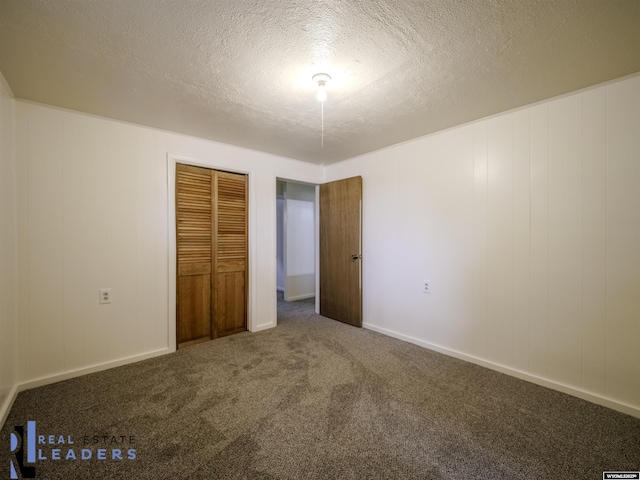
(320, 239)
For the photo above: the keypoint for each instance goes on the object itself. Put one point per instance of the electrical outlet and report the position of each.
(426, 286)
(105, 295)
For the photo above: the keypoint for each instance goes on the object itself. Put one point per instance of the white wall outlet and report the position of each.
(426, 286)
(105, 295)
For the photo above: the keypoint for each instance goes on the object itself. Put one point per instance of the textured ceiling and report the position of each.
(239, 71)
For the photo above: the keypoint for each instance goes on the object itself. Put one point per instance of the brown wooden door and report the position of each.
(340, 250)
(211, 217)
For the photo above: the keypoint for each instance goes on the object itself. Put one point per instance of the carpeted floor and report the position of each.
(317, 399)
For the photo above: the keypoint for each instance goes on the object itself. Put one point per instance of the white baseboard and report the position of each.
(8, 403)
(299, 297)
(264, 326)
(544, 382)
(39, 382)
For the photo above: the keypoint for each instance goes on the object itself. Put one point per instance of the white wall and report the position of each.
(299, 244)
(280, 244)
(528, 226)
(93, 213)
(8, 268)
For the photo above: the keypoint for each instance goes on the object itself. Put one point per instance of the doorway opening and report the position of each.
(297, 242)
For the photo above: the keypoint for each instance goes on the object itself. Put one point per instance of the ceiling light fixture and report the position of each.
(321, 79)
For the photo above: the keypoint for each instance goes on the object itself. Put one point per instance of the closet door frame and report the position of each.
(172, 160)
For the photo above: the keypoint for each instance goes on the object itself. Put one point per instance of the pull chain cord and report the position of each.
(322, 115)
(321, 80)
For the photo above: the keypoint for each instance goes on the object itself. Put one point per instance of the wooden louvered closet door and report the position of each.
(229, 253)
(194, 241)
(211, 216)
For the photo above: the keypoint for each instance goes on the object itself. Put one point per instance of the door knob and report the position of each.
(356, 256)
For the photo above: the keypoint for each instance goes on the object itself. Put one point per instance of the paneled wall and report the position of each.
(527, 225)
(93, 213)
(8, 267)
